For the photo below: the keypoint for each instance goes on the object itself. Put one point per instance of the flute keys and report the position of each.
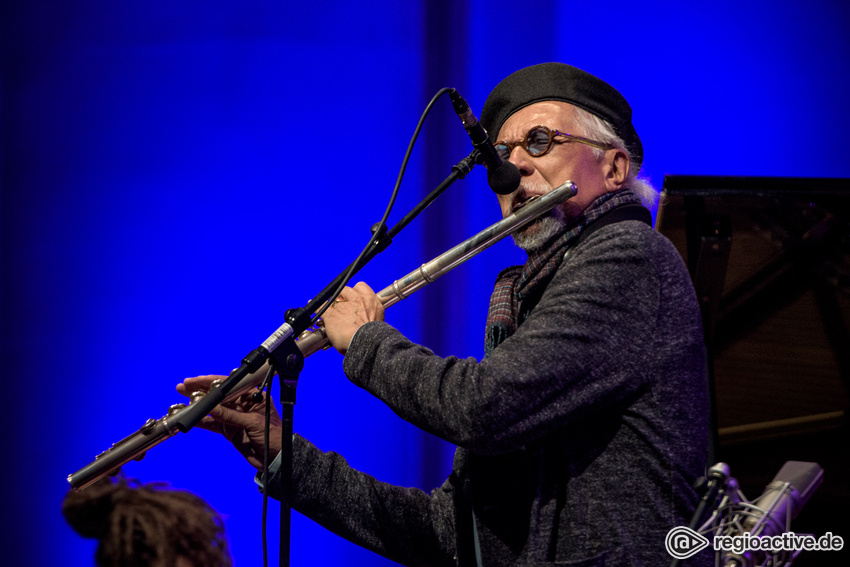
(174, 409)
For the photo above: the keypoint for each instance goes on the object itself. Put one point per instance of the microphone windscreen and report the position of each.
(504, 179)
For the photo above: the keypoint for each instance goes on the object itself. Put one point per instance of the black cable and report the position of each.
(381, 227)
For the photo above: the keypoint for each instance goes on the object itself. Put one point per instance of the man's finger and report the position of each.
(242, 419)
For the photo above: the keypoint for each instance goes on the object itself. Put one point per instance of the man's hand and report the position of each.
(354, 307)
(242, 421)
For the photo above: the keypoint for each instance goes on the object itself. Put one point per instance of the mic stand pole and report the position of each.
(718, 475)
(287, 361)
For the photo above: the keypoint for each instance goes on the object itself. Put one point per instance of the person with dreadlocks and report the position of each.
(581, 432)
(147, 525)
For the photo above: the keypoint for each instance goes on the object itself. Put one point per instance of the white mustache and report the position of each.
(528, 189)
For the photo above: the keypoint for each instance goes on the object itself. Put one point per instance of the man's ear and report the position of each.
(616, 169)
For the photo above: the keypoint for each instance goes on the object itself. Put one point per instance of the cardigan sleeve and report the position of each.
(586, 346)
(406, 525)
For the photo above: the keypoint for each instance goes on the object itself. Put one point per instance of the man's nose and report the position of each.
(522, 160)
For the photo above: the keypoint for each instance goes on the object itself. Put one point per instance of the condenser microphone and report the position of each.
(502, 176)
(781, 501)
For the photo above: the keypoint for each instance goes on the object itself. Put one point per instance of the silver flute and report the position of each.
(155, 431)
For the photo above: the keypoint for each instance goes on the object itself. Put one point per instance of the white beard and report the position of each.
(538, 233)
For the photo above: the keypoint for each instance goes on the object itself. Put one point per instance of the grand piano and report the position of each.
(770, 262)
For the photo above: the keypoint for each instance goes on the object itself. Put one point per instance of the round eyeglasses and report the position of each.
(538, 141)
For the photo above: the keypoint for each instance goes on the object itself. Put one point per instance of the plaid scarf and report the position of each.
(518, 283)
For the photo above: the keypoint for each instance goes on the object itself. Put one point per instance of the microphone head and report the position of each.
(784, 497)
(803, 477)
(504, 179)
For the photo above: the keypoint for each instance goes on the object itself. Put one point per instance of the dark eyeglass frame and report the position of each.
(504, 149)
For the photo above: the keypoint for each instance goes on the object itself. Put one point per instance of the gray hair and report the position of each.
(599, 130)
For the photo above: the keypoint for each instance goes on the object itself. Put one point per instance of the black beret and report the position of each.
(565, 83)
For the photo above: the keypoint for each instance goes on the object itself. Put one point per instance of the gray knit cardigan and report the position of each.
(579, 437)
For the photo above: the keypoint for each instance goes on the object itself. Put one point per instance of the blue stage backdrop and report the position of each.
(177, 175)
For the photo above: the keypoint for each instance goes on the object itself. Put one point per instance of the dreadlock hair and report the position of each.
(147, 525)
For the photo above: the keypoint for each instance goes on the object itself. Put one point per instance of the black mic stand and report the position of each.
(281, 350)
(287, 361)
(715, 487)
